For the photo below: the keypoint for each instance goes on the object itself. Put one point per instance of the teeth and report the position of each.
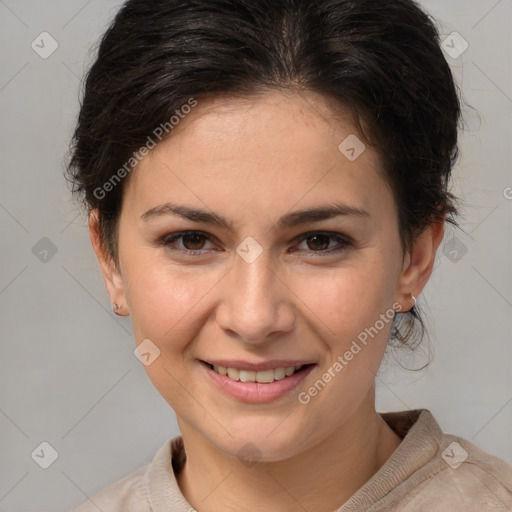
(264, 376)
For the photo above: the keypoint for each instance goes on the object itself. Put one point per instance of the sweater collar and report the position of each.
(421, 436)
(419, 430)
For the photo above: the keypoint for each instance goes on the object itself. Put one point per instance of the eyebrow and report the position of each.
(286, 221)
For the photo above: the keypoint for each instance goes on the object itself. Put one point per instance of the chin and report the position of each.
(252, 443)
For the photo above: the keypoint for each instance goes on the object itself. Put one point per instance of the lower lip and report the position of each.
(256, 392)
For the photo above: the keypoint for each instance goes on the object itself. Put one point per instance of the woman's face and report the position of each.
(265, 284)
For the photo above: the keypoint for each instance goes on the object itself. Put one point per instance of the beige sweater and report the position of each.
(429, 472)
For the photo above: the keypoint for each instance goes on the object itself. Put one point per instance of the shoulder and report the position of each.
(464, 475)
(125, 495)
(453, 475)
(432, 471)
(130, 494)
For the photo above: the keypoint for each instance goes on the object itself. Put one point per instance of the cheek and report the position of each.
(351, 309)
(166, 302)
(348, 299)
(168, 306)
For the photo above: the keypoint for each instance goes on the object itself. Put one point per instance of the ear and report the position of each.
(419, 262)
(111, 274)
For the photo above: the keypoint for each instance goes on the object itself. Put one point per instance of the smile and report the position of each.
(256, 386)
(263, 376)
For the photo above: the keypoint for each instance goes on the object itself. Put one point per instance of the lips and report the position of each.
(252, 391)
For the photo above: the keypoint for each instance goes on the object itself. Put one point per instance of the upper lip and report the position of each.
(256, 367)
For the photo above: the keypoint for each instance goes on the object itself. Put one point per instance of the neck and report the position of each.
(318, 480)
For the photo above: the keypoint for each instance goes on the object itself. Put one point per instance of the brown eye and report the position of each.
(192, 242)
(318, 242)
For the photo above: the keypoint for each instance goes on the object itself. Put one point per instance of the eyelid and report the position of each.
(332, 234)
(172, 237)
(343, 241)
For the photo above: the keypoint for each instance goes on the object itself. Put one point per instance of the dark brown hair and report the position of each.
(379, 59)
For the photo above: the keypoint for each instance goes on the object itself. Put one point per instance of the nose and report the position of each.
(256, 304)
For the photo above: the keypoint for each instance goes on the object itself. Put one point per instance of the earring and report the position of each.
(115, 308)
(413, 300)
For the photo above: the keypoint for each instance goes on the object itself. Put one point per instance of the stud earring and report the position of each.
(115, 308)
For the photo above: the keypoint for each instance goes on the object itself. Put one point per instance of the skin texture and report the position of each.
(253, 160)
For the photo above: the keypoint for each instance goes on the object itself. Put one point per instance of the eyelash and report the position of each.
(167, 240)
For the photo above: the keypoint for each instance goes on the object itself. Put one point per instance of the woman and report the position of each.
(267, 186)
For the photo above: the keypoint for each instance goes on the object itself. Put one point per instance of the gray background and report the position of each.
(68, 374)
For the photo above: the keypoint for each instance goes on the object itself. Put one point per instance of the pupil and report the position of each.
(320, 236)
(196, 239)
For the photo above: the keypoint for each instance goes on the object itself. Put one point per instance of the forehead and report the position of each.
(294, 116)
(258, 150)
